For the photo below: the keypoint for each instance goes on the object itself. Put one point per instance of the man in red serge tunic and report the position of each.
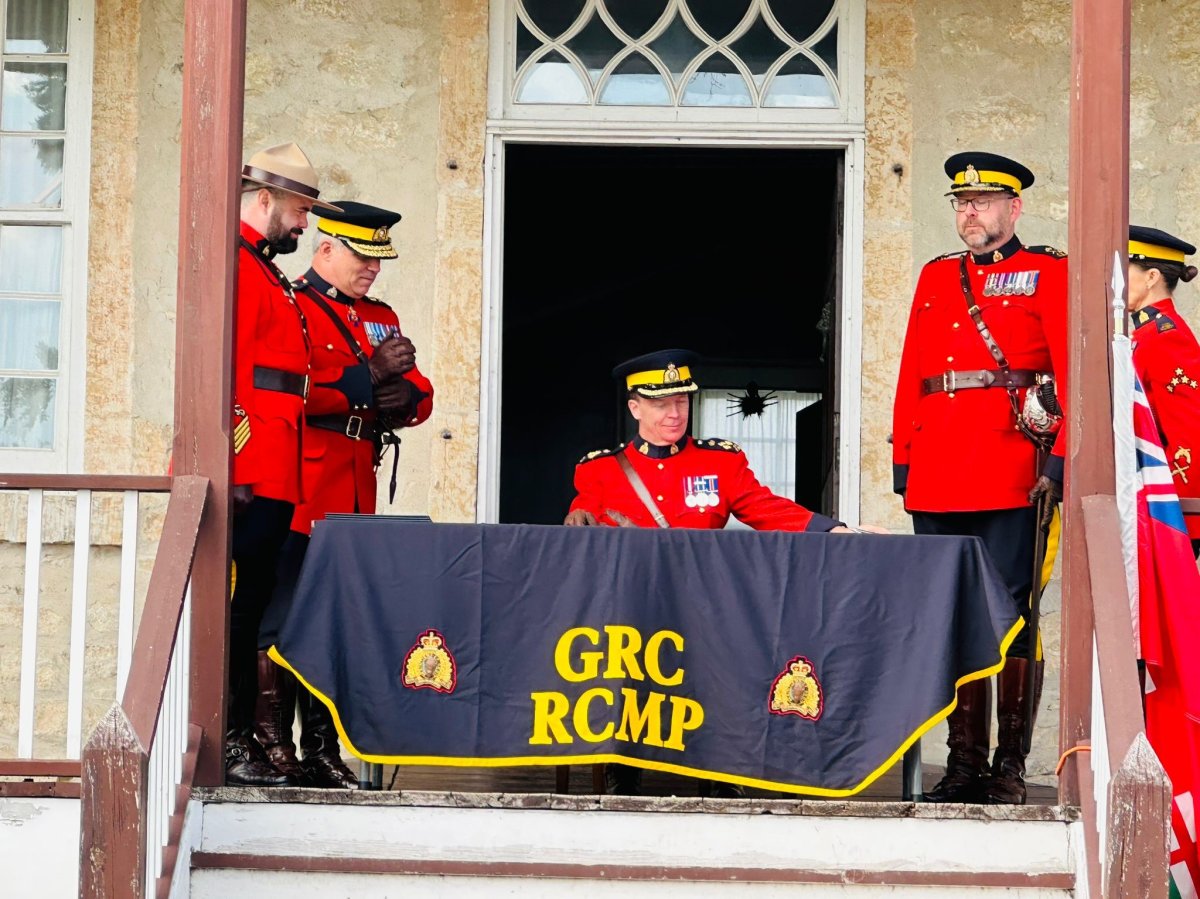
(365, 384)
(270, 381)
(1166, 357)
(959, 459)
(687, 483)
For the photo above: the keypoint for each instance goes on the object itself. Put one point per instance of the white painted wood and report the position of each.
(1098, 757)
(67, 452)
(1079, 843)
(639, 838)
(849, 139)
(849, 449)
(29, 623)
(189, 842)
(39, 848)
(502, 79)
(221, 884)
(129, 537)
(79, 588)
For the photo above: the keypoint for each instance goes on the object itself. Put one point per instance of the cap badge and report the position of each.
(380, 235)
(671, 375)
(970, 176)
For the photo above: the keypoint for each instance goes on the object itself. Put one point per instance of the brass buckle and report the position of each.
(949, 381)
(354, 427)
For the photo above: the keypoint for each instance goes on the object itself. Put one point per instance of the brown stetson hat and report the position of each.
(286, 168)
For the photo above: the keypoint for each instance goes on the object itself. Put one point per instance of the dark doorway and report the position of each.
(610, 252)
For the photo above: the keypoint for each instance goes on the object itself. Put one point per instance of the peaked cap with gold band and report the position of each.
(984, 172)
(663, 373)
(1153, 245)
(286, 168)
(364, 229)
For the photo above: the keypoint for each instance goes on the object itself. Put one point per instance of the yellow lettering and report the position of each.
(686, 714)
(633, 719)
(583, 726)
(591, 660)
(653, 665)
(623, 644)
(549, 709)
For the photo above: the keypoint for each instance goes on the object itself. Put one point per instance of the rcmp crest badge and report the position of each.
(429, 664)
(796, 691)
(701, 492)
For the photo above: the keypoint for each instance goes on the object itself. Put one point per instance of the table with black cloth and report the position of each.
(806, 663)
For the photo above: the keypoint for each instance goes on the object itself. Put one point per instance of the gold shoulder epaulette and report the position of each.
(945, 256)
(600, 454)
(716, 443)
(1046, 250)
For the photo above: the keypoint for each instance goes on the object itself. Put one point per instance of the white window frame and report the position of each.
(67, 451)
(799, 128)
(851, 68)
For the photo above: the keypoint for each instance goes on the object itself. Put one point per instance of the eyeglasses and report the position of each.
(958, 204)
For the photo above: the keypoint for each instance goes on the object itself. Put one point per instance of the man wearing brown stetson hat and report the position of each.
(270, 383)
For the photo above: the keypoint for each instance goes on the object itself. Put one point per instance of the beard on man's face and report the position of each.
(282, 240)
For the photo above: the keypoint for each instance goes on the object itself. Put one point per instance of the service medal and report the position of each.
(701, 492)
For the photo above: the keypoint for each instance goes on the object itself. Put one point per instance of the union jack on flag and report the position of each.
(1170, 632)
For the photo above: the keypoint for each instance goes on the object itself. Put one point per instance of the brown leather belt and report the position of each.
(351, 426)
(280, 381)
(1190, 505)
(950, 381)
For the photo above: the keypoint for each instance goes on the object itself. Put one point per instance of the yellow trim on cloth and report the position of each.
(1154, 251)
(989, 177)
(596, 759)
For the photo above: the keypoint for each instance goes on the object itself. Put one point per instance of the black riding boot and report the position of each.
(322, 764)
(967, 763)
(1006, 786)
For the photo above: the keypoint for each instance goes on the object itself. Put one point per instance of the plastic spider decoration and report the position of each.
(752, 402)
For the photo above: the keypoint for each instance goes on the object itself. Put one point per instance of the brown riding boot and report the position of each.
(322, 765)
(1006, 786)
(967, 763)
(274, 713)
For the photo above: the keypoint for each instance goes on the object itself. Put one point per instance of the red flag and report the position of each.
(1170, 633)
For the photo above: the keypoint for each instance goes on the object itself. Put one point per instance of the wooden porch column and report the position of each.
(1097, 228)
(214, 51)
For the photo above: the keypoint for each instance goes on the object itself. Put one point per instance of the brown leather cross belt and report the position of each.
(1190, 505)
(280, 381)
(950, 381)
(352, 426)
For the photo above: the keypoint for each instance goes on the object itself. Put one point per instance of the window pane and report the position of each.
(553, 16)
(29, 335)
(30, 259)
(635, 82)
(27, 412)
(553, 80)
(36, 26)
(800, 83)
(717, 83)
(31, 171)
(34, 96)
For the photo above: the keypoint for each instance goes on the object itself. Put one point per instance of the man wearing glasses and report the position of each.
(986, 330)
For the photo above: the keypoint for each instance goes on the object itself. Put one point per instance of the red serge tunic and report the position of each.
(695, 483)
(340, 449)
(1166, 358)
(270, 371)
(960, 451)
